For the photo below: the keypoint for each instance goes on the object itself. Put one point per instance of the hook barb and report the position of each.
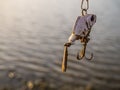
(81, 55)
(90, 58)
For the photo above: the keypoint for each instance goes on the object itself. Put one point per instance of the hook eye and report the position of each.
(92, 18)
(84, 12)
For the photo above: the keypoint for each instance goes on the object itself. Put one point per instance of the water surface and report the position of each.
(33, 32)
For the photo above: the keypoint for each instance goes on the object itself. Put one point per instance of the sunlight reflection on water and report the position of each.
(33, 33)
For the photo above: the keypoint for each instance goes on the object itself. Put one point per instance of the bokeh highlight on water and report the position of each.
(33, 32)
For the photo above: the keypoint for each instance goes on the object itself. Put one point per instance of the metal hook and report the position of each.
(81, 55)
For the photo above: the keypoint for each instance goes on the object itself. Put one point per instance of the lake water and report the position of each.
(33, 32)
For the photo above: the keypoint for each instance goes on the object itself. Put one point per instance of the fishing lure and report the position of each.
(81, 31)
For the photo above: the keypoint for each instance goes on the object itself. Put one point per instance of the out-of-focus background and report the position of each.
(32, 35)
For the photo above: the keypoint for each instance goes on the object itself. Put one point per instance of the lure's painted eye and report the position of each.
(92, 18)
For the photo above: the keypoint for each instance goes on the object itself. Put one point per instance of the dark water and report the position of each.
(32, 34)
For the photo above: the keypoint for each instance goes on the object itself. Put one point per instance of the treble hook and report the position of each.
(81, 55)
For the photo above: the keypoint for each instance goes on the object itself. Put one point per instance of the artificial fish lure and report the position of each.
(81, 31)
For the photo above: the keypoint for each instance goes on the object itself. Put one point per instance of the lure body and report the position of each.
(82, 25)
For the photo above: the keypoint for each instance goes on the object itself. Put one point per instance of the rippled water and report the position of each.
(32, 34)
